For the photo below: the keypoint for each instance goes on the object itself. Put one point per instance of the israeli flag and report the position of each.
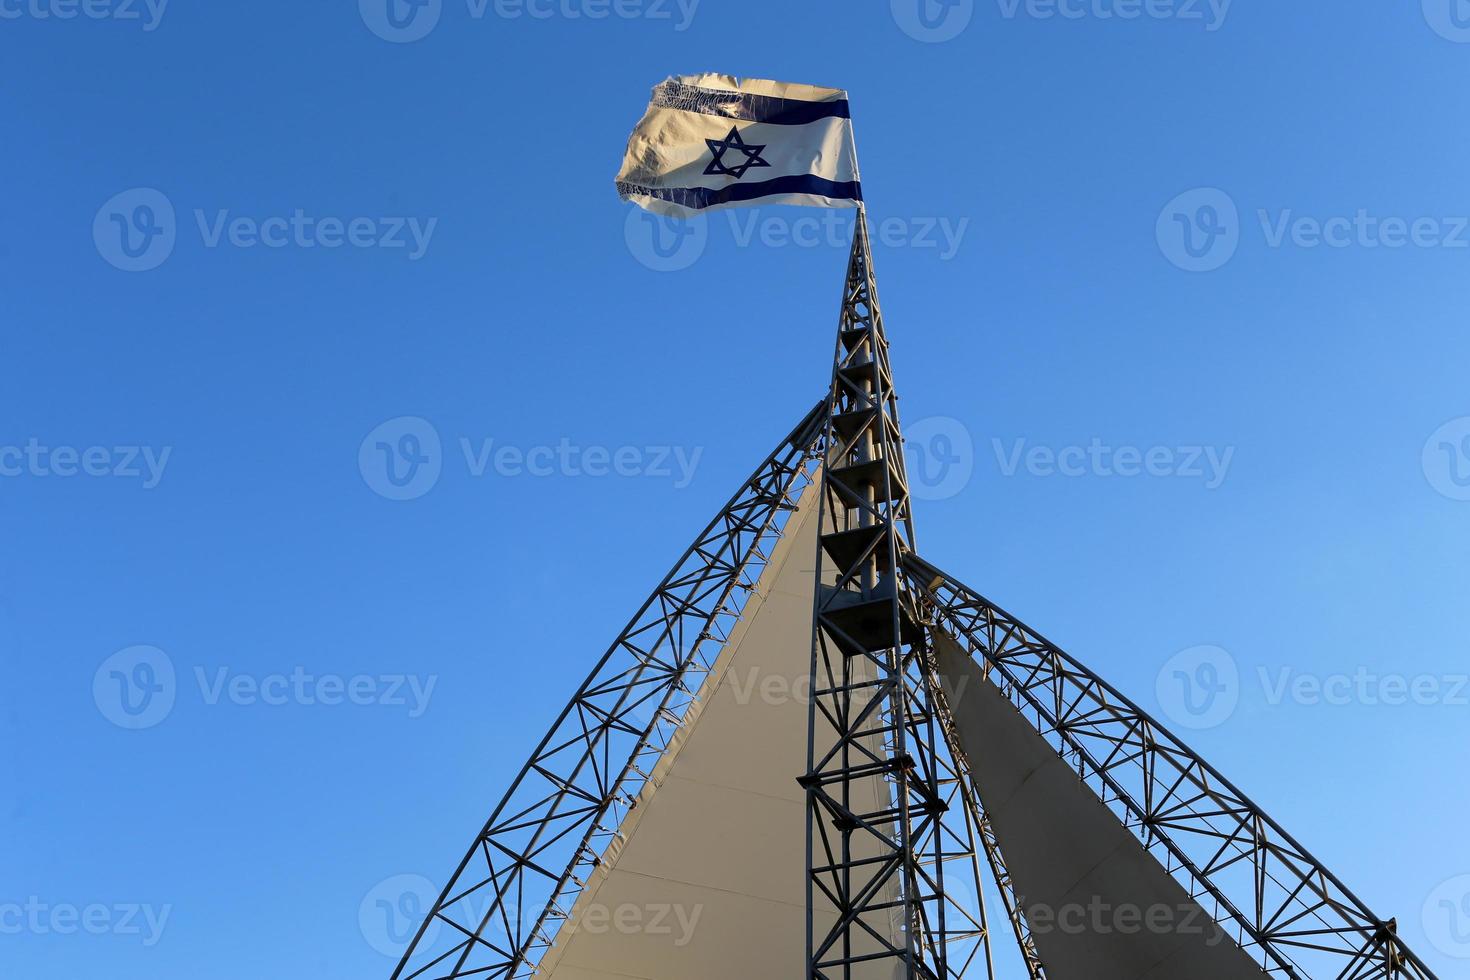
(715, 141)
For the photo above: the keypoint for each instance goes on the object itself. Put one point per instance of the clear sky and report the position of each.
(1178, 298)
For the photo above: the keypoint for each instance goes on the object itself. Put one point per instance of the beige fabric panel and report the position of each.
(708, 880)
(1077, 869)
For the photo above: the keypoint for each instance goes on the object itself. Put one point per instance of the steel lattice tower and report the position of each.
(932, 715)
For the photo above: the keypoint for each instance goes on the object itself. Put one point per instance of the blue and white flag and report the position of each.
(715, 141)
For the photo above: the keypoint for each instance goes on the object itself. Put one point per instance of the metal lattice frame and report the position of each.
(1292, 915)
(881, 732)
(879, 778)
(982, 830)
(502, 907)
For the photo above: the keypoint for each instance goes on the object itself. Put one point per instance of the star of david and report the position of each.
(752, 152)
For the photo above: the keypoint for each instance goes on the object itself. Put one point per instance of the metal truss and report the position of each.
(983, 831)
(880, 779)
(1288, 912)
(896, 827)
(501, 908)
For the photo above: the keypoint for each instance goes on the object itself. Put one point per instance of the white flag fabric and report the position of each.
(715, 141)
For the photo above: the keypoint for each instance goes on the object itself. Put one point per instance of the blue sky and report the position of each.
(1177, 298)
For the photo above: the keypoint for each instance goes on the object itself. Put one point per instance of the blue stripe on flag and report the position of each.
(745, 106)
(699, 198)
